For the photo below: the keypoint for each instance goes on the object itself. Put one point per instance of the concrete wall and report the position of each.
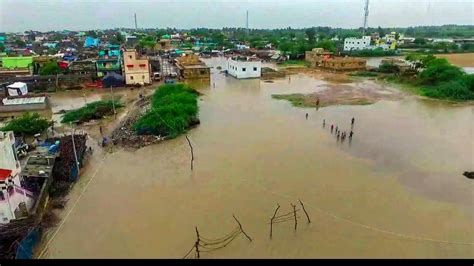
(244, 69)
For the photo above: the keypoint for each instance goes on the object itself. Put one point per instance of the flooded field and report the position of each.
(396, 190)
(461, 60)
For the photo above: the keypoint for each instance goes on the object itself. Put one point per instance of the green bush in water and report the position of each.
(173, 109)
(451, 90)
(91, 111)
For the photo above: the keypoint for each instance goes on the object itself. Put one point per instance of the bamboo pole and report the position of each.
(241, 229)
(294, 213)
(196, 245)
(271, 220)
(192, 152)
(307, 216)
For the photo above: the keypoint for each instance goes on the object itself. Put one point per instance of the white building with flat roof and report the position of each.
(244, 67)
(15, 201)
(354, 44)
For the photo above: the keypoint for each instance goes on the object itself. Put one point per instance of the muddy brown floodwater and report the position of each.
(396, 190)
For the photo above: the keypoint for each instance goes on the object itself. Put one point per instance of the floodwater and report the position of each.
(396, 190)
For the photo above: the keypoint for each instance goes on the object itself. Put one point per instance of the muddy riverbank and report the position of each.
(358, 93)
(396, 190)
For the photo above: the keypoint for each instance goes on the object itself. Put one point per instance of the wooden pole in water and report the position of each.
(241, 229)
(307, 216)
(196, 245)
(192, 152)
(294, 213)
(271, 220)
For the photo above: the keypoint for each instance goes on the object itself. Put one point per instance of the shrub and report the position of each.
(173, 109)
(439, 70)
(452, 90)
(50, 68)
(28, 124)
(388, 68)
(94, 110)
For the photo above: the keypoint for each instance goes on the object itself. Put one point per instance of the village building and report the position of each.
(344, 64)
(17, 62)
(326, 60)
(16, 66)
(41, 61)
(244, 67)
(83, 67)
(15, 201)
(163, 45)
(109, 61)
(316, 56)
(190, 67)
(136, 69)
(91, 42)
(354, 44)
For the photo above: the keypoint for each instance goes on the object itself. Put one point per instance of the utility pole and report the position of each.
(247, 23)
(74, 147)
(136, 27)
(366, 15)
(113, 102)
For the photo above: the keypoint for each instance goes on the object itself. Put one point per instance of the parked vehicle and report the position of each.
(157, 76)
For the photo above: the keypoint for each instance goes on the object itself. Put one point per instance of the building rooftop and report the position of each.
(20, 101)
(39, 165)
(245, 58)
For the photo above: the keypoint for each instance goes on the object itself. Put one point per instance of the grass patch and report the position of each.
(173, 110)
(296, 99)
(364, 74)
(91, 111)
(294, 63)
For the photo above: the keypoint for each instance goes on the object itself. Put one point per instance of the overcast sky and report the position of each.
(44, 15)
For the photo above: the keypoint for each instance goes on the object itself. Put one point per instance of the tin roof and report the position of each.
(21, 101)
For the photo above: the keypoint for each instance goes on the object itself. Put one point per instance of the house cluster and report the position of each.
(28, 57)
(373, 41)
(25, 182)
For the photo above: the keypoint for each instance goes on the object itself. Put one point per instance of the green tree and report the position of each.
(27, 124)
(439, 70)
(118, 39)
(20, 43)
(2, 48)
(397, 36)
(420, 41)
(327, 45)
(50, 68)
(389, 68)
(311, 34)
(92, 34)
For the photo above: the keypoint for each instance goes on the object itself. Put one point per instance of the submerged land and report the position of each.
(395, 190)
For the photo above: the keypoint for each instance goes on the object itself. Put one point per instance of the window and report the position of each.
(130, 56)
(131, 77)
(103, 64)
(254, 69)
(143, 77)
(243, 69)
(203, 72)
